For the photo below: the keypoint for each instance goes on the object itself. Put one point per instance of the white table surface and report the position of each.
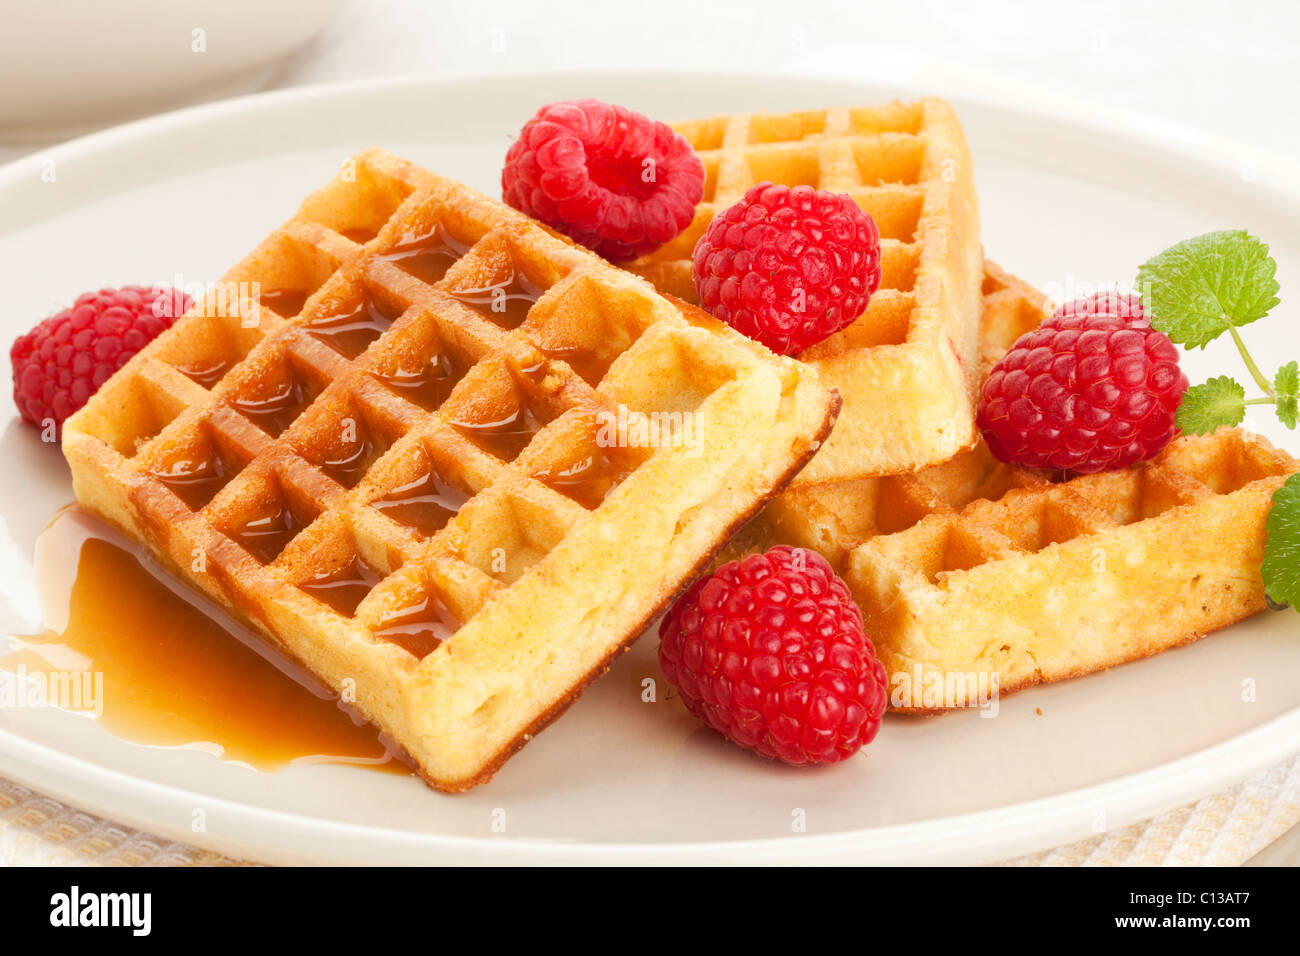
(1225, 66)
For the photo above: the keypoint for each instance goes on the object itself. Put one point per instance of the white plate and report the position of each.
(1065, 202)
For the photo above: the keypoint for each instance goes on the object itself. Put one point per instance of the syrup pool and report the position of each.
(175, 675)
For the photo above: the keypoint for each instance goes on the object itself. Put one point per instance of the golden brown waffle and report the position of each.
(907, 368)
(833, 517)
(1035, 581)
(450, 462)
(973, 568)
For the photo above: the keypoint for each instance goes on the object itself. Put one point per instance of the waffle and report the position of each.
(973, 568)
(907, 368)
(449, 461)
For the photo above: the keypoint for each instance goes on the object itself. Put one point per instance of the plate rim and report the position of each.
(976, 837)
(979, 836)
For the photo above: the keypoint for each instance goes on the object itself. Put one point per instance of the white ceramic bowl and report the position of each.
(68, 65)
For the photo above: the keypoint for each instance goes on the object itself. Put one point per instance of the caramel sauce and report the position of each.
(421, 627)
(196, 481)
(359, 235)
(277, 411)
(425, 504)
(427, 256)
(589, 366)
(588, 482)
(176, 675)
(504, 438)
(429, 386)
(348, 465)
(350, 333)
(265, 537)
(506, 304)
(206, 374)
(284, 302)
(344, 589)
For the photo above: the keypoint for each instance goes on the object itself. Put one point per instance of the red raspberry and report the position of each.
(1083, 393)
(770, 651)
(606, 176)
(60, 363)
(788, 267)
(1105, 303)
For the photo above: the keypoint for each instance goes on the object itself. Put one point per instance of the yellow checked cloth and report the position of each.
(38, 831)
(1224, 829)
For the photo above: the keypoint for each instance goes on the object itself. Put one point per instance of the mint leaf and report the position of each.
(1204, 408)
(1281, 568)
(1287, 386)
(1196, 289)
(1288, 411)
(1287, 381)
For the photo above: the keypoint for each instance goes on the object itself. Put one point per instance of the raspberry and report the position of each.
(60, 363)
(1105, 303)
(1083, 393)
(609, 178)
(788, 267)
(770, 651)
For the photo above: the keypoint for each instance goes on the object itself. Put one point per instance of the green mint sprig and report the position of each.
(1199, 289)
(1194, 292)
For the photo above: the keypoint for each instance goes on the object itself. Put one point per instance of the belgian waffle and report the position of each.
(412, 439)
(907, 368)
(972, 567)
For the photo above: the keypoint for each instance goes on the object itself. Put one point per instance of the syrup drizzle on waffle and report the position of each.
(284, 302)
(591, 368)
(197, 480)
(426, 255)
(351, 331)
(265, 537)
(278, 410)
(344, 588)
(425, 503)
(352, 459)
(587, 481)
(506, 303)
(419, 628)
(207, 373)
(504, 437)
(429, 384)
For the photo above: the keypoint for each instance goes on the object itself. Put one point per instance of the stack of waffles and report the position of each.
(453, 463)
(977, 578)
(449, 462)
(974, 577)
